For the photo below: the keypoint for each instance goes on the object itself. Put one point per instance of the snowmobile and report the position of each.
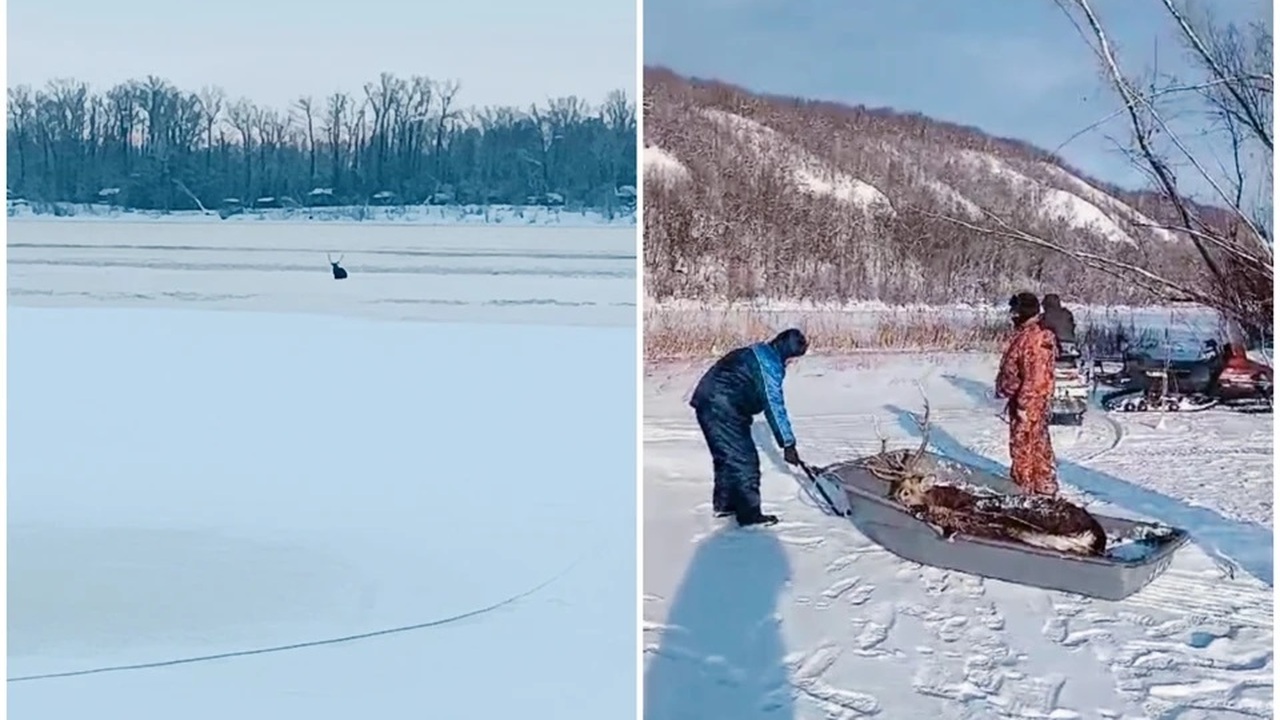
(1222, 375)
(1070, 386)
(1112, 370)
(1109, 370)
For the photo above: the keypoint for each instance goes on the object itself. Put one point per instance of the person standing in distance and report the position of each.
(1059, 320)
(1025, 379)
(742, 384)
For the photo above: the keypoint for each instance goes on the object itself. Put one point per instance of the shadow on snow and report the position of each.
(721, 654)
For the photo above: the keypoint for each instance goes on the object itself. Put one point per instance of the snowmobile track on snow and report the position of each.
(662, 430)
(1190, 594)
(1118, 435)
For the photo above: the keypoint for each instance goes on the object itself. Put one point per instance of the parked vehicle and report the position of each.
(1071, 386)
(1223, 375)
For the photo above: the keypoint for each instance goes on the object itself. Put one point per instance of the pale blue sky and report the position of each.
(1015, 68)
(502, 51)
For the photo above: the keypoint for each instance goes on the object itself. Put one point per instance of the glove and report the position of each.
(790, 455)
(1011, 410)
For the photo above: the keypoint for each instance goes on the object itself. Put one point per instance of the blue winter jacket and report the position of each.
(748, 381)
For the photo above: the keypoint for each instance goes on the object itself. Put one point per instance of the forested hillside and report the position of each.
(749, 196)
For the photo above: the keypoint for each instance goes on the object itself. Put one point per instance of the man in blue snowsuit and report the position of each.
(742, 384)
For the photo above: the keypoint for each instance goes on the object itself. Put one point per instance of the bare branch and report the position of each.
(1260, 128)
(1238, 290)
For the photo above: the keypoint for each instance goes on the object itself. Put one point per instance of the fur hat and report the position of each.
(1024, 305)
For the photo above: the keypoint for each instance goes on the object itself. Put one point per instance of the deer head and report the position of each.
(910, 491)
(901, 468)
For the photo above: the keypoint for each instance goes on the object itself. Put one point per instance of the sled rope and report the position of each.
(512, 600)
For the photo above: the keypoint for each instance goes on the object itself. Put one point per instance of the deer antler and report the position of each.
(922, 422)
(884, 441)
(897, 465)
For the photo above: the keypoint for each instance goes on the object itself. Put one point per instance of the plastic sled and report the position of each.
(1137, 552)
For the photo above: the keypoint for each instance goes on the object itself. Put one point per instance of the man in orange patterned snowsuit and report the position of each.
(1026, 379)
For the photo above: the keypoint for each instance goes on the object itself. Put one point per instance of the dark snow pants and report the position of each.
(734, 459)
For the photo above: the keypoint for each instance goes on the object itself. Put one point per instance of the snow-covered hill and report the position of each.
(755, 168)
(1052, 193)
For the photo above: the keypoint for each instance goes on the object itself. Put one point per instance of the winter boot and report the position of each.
(721, 503)
(755, 517)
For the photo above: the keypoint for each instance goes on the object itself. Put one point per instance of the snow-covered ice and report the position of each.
(184, 484)
(397, 272)
(809, 619)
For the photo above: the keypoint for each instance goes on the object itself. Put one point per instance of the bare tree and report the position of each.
(305, 105)
(242, 115)
(211, 99)
(335, 125)
(151, 145)
(1233, 89)
(445, 95)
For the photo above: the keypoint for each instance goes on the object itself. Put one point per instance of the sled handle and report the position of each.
(813, 474)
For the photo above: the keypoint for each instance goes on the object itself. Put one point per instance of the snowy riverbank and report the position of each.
(507, 215)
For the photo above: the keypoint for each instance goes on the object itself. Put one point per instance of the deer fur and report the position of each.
(1041, 521)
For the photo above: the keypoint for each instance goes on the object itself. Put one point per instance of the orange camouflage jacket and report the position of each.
(1026, 369)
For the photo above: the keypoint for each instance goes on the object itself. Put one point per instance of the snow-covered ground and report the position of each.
(583, 276)
(297, 514)
(433, 215)
(810, 619)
